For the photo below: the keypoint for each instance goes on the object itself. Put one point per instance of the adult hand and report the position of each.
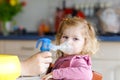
(36, 64)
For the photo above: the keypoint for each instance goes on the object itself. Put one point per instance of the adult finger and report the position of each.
(47, 60)
(46, 54)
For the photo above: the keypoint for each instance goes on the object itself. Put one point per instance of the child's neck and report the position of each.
(65, 55)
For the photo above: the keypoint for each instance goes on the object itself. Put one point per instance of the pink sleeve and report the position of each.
(79, 70)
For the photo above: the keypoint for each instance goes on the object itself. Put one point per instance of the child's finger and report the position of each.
(48, 77)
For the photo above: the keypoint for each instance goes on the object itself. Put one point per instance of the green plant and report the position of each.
(9, 8)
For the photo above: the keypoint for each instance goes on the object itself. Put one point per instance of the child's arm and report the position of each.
(78, 70)
(72, 73)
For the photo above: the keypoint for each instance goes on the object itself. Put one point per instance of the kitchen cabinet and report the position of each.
(21, 48)
(107, 60)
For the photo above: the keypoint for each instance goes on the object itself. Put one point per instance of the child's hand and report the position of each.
(47, 77)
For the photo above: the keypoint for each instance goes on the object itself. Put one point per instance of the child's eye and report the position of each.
(75, 39)
(65, 37)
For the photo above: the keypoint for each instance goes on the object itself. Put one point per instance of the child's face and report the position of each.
(73, 36)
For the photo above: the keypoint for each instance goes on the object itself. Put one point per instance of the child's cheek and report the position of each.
(62, 40)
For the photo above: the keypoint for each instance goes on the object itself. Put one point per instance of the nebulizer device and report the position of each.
(47, 45)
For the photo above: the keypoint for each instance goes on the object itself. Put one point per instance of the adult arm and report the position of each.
(11, 67)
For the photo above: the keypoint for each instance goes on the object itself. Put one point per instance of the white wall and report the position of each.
(32, 13)
(35, 10)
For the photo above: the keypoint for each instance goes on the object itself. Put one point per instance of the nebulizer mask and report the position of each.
(46, 45)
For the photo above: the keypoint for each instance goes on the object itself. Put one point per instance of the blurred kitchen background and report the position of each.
(48, 13)
(40, 18)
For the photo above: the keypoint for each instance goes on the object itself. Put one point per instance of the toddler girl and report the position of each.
(74, 64)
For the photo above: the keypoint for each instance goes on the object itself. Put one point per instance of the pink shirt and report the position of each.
(73, 68)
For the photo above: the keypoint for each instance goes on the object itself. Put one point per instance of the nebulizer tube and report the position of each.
(46, 45)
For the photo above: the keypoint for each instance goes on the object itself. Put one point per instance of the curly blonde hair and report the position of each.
(87, 30)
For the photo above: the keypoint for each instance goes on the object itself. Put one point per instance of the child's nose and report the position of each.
(69, 41)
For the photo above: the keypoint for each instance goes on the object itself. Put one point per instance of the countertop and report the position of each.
(109, 38)
(52, 37)
(29, 78)
(25, 37)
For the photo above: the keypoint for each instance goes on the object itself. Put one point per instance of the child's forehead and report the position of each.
(74, 31)
(73, 28)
